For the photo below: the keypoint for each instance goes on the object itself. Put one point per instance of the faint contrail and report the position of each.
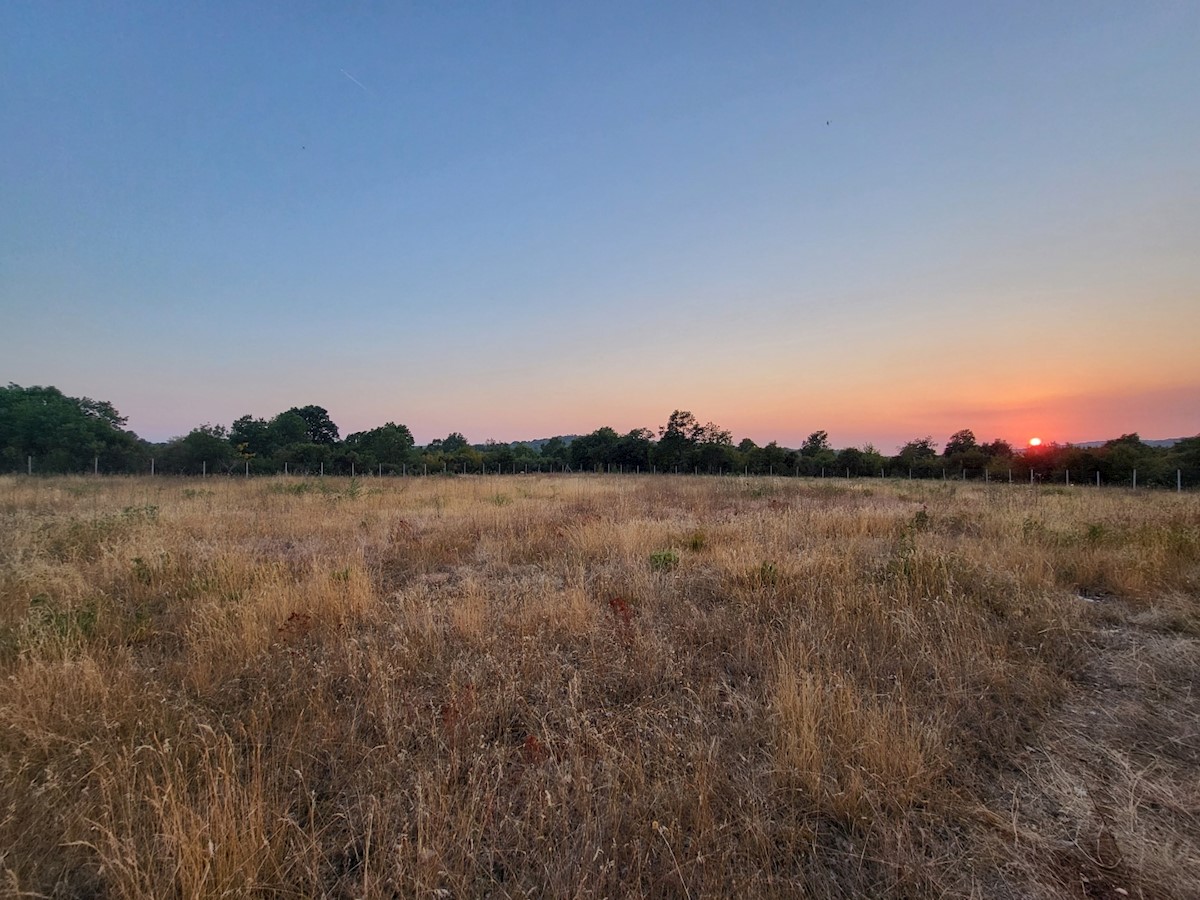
(356, 81)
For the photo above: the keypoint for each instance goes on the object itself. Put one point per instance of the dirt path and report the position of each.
(1107, 802)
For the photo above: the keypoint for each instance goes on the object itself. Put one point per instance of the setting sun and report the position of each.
(1035, 442)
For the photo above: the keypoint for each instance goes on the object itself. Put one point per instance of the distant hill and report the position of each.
(537, 443)
(1166, 442)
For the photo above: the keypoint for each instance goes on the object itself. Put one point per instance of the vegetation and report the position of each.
(43, 431)
(597, 686)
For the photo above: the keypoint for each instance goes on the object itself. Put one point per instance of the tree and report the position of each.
(633, 450)
(63, 434)
(815, 443)
(918, 449)
(595, 449)
(1185, 457)
(203, 449)
(873, 462)
(555, 450)
(771, 458)
(1121, 456)
(714, 448)
(286, 429)
(251, 437)
(389, 446)
(960, 442)
(676, 439)
(997, 449)
(319, 428)
(852, 461)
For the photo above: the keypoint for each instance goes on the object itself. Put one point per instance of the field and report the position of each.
(597, 686)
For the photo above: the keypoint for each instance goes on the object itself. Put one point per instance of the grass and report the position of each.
(594, 686)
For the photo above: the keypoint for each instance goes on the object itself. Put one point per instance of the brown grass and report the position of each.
(590, 686)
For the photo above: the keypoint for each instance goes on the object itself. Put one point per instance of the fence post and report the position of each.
(247, 468)
(1097, 478)
(1068, 477)
(29, 465)
(1135, 479)
(204, 469)
(152, 465)
(95, 465)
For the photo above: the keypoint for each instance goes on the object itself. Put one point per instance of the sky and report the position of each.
(883, 220)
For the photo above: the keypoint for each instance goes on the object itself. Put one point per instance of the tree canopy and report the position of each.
(44, 430)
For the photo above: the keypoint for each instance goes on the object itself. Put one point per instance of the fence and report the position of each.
(1163, 479)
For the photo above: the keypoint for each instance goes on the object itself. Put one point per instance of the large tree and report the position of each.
(677, 439)
(318, 426)
(389, 446)
(63, 434)
(592, 450)
(815, 443)
(960, 442)
(203, 449)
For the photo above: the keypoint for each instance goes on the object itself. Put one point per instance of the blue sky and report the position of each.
(514, 220)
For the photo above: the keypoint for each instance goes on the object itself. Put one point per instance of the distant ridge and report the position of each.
(1165, 442)
(537, 443)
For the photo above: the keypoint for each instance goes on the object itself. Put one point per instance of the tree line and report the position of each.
(43, 430)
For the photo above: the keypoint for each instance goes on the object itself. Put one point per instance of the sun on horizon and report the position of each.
(1035, 442)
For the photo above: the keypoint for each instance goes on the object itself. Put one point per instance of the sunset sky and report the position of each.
(521, 219)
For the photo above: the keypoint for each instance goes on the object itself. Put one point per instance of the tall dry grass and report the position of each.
(569, 686)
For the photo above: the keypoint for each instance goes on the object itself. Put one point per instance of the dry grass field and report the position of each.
(591, 686)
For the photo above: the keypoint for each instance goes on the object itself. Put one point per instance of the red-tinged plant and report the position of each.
(621, 610)
(534, 751)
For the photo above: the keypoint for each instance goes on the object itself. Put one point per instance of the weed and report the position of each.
(140, 513)
(47, 617)
(767, 575)
(664, 560)
(142, 573)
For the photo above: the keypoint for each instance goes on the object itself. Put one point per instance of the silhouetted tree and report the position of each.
(960, 442)
(319, 427)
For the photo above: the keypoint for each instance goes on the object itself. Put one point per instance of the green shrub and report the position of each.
(664, 560)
